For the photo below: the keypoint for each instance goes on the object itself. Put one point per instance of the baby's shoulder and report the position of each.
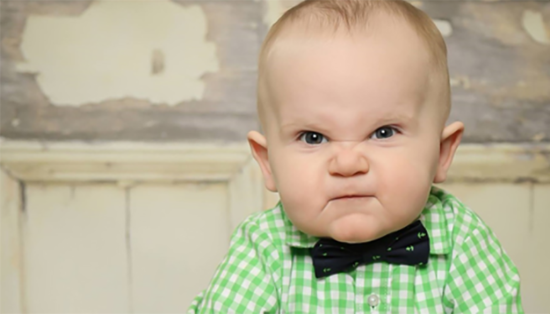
(462, 221)
(264, 226)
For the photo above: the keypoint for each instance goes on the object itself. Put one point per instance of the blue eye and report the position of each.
(313, 138)
(383, 132)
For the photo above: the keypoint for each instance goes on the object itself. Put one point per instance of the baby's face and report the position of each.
(353, 140)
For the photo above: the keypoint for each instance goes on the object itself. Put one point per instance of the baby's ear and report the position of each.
(258, 145)
(452, 134)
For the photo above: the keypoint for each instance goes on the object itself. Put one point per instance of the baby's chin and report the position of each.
(356, 228)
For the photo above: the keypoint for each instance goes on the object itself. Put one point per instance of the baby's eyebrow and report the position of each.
(298, 124)
(397, 116)
(304, 126)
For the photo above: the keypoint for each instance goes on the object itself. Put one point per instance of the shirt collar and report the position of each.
(295, 237)
(433, 217)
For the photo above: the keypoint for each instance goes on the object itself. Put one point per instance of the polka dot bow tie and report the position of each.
(408, 246)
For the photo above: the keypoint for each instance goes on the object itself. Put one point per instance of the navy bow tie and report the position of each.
(408, 246)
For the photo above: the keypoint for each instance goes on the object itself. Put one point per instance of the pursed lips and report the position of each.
(350, 197)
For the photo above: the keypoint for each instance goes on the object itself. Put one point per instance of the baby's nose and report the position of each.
(348, 162)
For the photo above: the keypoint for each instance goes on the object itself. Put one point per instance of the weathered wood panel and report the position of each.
(499, 59)
(500, 73)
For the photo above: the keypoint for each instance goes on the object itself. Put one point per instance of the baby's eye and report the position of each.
(313, 138)
(383, 132)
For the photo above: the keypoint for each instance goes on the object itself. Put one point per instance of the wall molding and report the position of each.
(129, 164)
(521, 162)
(171, 162)
(123, 162)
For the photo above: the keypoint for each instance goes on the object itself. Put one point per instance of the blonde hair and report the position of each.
(354, 16)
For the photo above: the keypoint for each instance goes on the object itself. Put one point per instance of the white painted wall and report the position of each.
(11, 262)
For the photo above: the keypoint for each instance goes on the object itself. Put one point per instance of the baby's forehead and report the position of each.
(387, 41)
(311, 27)
(342, 109)
(383, 30)
(300, 32)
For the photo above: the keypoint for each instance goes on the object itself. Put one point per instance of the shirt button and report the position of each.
(373, 300)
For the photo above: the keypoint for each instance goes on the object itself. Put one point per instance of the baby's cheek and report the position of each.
(301, 191)
(293, 183)
(404, 185)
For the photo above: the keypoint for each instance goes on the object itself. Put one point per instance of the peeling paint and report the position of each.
(534, 26)
(157, 62)
(444, 27)
(539, 137)
(497, 24)
(462, 81)
(158, 52)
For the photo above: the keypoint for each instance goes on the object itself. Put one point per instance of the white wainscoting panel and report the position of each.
(11, 263)
(75, 249)
(536, 273)
(179, 234)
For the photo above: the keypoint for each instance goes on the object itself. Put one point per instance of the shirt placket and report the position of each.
(372, 288)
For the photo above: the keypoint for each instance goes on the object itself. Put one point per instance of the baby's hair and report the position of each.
(355, 16)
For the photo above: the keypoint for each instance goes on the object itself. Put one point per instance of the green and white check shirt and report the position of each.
(268, 269)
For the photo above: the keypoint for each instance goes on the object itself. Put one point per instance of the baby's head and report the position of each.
(353, 97)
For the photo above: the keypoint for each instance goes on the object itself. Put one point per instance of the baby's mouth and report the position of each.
(351, 197)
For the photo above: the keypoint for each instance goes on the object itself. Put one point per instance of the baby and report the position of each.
(353, 97)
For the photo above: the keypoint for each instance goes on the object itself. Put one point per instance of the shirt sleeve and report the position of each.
(482, 278)
(243, 282)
